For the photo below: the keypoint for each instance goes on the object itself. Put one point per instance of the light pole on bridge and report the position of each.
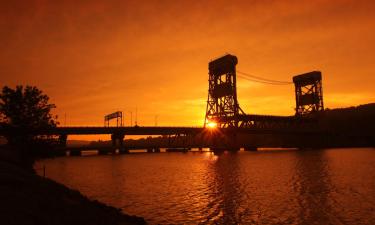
(131, 118)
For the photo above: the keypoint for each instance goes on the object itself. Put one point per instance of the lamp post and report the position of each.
(131, 118)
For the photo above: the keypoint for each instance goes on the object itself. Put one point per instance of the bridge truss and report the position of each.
(224, 110)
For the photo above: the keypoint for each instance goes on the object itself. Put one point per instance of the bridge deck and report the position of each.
(124, 130)
(150, 130)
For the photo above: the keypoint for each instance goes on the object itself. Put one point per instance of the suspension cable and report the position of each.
(259, 81)
(262, 80)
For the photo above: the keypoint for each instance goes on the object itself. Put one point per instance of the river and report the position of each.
(326, 186)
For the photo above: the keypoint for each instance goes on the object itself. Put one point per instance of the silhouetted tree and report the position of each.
(25, 109)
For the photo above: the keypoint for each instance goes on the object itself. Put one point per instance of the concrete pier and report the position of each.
(251, 148)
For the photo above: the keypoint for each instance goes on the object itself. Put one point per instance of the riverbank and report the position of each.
(27, 198)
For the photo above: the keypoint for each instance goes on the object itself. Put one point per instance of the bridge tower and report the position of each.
(309, 94)
(222, 105)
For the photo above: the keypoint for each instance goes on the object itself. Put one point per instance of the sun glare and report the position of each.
(211, 125)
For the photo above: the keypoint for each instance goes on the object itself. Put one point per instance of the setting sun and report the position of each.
(212, 125)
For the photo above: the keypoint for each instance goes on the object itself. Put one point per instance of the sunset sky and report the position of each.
(96, 57)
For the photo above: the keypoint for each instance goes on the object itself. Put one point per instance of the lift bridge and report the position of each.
(222, 109)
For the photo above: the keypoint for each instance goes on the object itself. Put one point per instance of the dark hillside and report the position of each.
(356, 120)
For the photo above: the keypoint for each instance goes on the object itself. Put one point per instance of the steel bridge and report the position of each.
(148, 130)
(222, 109)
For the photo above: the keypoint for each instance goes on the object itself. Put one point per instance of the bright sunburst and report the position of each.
(212, 125)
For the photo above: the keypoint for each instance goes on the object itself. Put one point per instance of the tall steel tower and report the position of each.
(309, 94)
(222, 105)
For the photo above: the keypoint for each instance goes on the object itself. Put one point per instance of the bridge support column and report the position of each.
(75, 153)
(113, 139)
(117, 141)
(123, 150)
(63, 140)
(153, 150)
(232, 142)
(103, 152)
(121, 140)
(250, 148)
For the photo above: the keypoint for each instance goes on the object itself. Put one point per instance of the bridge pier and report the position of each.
(63, 140)
(153, 150)
(114, 140)
(222, 142)
(103, 151)
(123, 150)
(234, 149)
(232, 143)
(251, 148)
(60, 153)
(75, 153)
(117, 141)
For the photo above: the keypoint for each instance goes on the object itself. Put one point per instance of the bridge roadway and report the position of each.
(150, 130)
(135, 130)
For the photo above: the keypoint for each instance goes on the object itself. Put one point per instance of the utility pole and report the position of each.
(131, 118)
(136, 116)
(156, 120)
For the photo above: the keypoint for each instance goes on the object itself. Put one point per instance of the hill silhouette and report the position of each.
(359, 119)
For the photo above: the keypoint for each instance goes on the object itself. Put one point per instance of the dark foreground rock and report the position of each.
(26, 198)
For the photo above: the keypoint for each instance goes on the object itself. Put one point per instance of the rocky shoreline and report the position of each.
(27, 198)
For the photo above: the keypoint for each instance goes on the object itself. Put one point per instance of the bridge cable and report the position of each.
(262, 80)
(259, 81)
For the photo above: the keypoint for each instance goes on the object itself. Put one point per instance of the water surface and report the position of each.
(328, 186)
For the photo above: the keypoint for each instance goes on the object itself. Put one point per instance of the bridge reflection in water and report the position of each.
(332, 186)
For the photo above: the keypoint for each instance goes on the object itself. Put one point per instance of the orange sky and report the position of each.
(96, 57)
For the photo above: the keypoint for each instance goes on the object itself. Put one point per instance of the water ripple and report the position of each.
(287, 187)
